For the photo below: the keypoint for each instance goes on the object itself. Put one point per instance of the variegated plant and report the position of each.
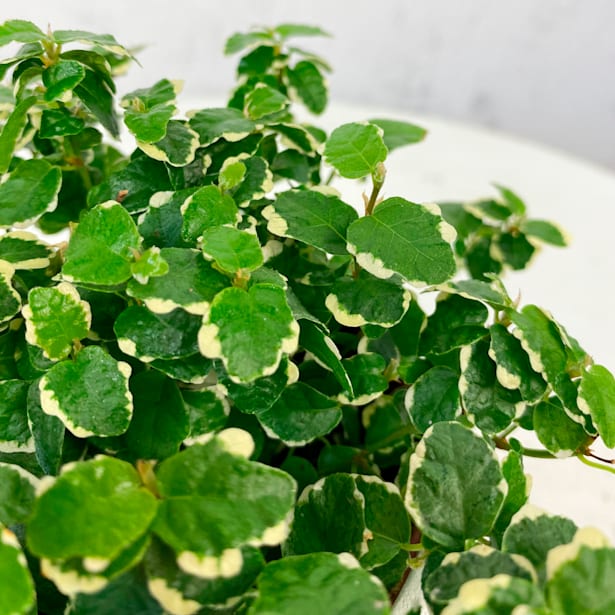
(220, 389)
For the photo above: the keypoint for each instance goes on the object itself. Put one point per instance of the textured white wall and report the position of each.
(544, 69)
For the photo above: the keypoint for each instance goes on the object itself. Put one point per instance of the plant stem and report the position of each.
(378, 180)
(538, 453)
(593, 464)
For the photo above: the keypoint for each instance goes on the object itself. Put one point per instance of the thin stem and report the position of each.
(593, 464)
(538, 453)
(378, 180)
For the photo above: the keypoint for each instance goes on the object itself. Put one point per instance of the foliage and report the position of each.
(221, 390)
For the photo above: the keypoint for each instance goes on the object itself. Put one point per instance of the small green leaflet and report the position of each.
(97, 96)
(21, 31)
(59, 123)
(355, 149)
(454, 497)
(24, 250)
(101, 249)
(533, 533)
(373, 528)
(149, 264)
(56, 318)
(581, 576)
(544, 231)
(240, 321)
(106, 41)
(183, 593)
(62, 77)
(256, 183)
(366, 372)
(397, 133)
(12, 131)
(208, 410)
(231, 174)
(10, 299)
(263, 101)
(148, 111)
(487, 403)
(190, 283)
(81, 534)
(17, 596)
(315, 218)
(405, 238)
(17, 494)
(14, 431)
(362, 300)
(148, 336)
(557, 432)
(434, 397)
(227, 123)
(480, 562)
(90, 394)
(240, 41)
(177, 147)
(319, 582)
(30, 191)
(288, 30)
(233, 250)
(309, 85)
(300, 415)
(597, 398)
(214, 502)
(205, 208)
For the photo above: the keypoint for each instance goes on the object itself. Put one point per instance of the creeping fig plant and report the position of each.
(221, 390)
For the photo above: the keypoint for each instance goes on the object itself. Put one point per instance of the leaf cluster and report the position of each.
(221, 390)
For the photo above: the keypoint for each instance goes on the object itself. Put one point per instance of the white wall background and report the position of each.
(541, 69)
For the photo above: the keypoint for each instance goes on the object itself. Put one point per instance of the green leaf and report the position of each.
(355, 150)
(544, 231)
(456, 322)
(405, 238)
(557, 432)
(148, 110)
(454, 497)
(241, 321)
(215, 501)
(518, 492)
(71, 505)
(12, 131)
(101, 248)
(514, 370)
(263, 101)
(366, 372)
(308, 83)
(434, 397)
(177, 147)
(17, 493)
(181, 592)
(98, 98)
(315, 218)
(481, 562)
(314, 340)
(362, 300)
(208, 410)
(14, 431)
(150, 265)
(488, 292)
(191, 370)
(59, 123)
(231, 249)
(533, 533)
(214, 124)
(240, 41)
(513, 201)
(581, 579)
(47, 432)
(10, 299)
(489, 210)
(374, 526)
(486, 402)
(56, 318)
(232, 173)
(24, 250)
(257, 181)
(290, 29)
(146, 335)
(597, 398)
(319, 582)
(30, 191)
(512, 249)
(90, 394)
(106, 41)
(20, 31)
(190, 283)
(18, 596)
(62, 77)
(159, 422)
(300, 415)
(257, 62)
(205, 208)
(397, 134)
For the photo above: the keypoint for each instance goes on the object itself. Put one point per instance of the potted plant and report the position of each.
(220, 389)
